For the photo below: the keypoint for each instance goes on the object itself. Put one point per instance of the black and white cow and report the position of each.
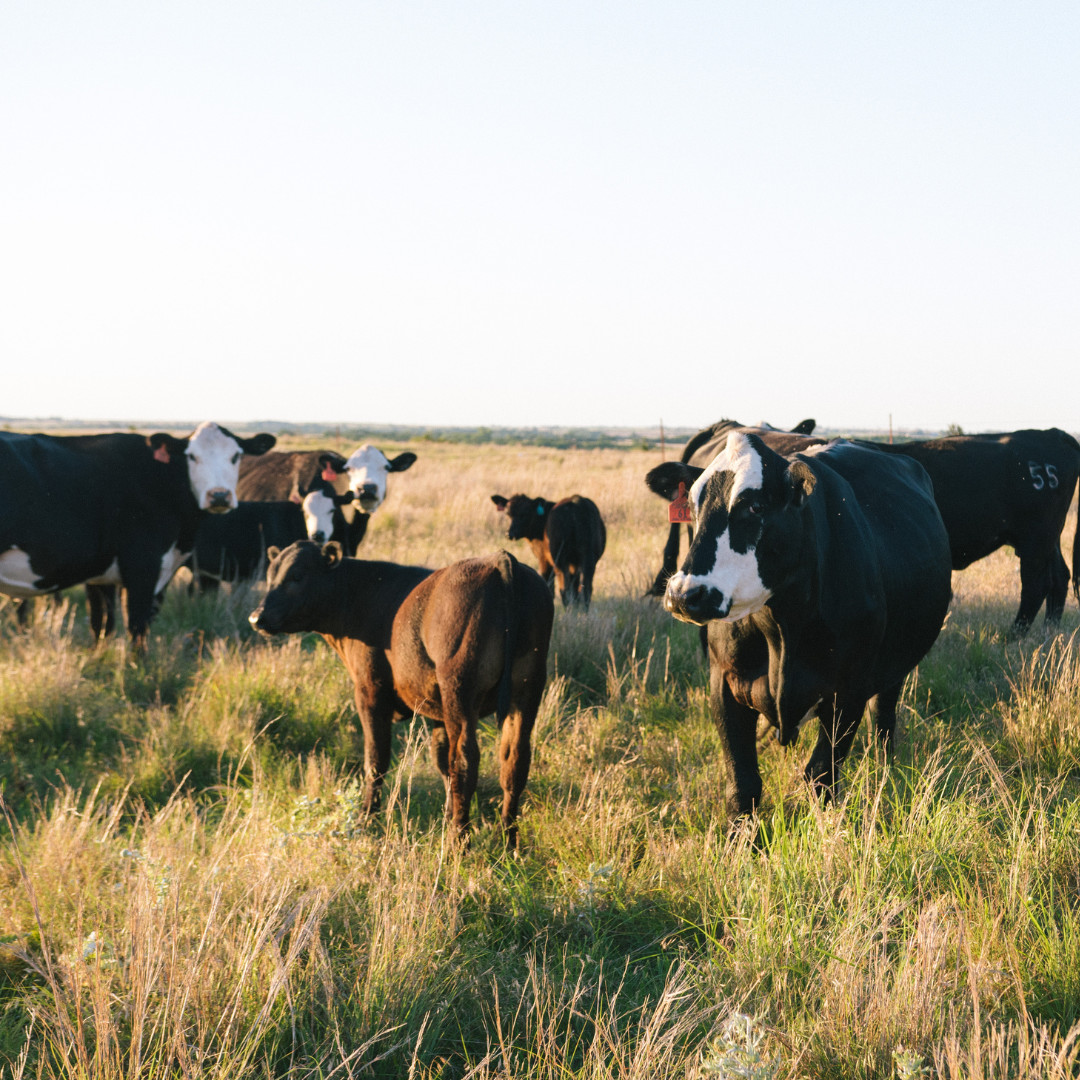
(701, 448)
(232, 547)
(117, 509)
(294, 474)
(824, 577)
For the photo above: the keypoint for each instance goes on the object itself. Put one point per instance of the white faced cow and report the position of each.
(823, 577)
(294, 475)
(367, 468)
(118, 509)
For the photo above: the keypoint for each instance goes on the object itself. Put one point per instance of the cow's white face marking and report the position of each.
(738, 458)
(318, 516)
(734, 573)
(17, 578)
(367, 469)
(213, 461)
(170, 563)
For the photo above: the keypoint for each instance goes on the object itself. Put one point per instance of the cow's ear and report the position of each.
(801, 481)
(332, 553)
(344, 500)
(257, 444)
(805, 427)
(335, 461)
(272, 552)
(401, 462)
(664, 480)
(500, 502)
(166, 446)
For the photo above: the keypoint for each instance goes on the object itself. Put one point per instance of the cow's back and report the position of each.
(282, 475)
(905, 546)
(575, 531)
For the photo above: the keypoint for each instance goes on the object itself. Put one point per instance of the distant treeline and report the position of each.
(561, 438)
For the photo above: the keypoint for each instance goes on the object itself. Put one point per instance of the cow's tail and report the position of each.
(512, 584)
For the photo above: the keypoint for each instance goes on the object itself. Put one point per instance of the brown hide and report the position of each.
(451, 645)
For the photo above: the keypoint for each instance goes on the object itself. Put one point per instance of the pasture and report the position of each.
(188, 888)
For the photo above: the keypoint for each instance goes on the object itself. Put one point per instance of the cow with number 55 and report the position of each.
(1014, 488)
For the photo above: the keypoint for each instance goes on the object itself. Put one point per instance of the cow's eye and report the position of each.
(755, 506)
(235, 458)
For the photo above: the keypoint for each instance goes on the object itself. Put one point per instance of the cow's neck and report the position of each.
(365, 600)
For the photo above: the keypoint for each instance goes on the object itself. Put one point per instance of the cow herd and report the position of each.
(819, 571)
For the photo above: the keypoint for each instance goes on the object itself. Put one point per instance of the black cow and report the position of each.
(293, 474)
(568, 537)
(233, 547)
(701, 448)
(824, 578)
(453, 645)
(117, 509)
(1013, 488)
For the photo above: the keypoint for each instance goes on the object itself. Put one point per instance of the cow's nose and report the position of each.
(696, 603)
(218, 500)
(318, 538)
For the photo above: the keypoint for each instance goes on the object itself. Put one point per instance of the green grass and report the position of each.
(189, 889)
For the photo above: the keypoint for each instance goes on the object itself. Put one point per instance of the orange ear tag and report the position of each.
(329, 475)
(679, 507)
(162, 454)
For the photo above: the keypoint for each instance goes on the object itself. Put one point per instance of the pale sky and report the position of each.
(541, 213)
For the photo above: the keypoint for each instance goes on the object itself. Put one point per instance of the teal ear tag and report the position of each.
(540, 510)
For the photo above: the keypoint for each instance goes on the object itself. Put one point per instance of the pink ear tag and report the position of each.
(679, 507)
(162, 454)
(329, 475)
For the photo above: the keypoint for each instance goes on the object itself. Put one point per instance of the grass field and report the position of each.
(188, 889)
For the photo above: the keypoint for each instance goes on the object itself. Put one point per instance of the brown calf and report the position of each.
(451, 645)
(568, 538)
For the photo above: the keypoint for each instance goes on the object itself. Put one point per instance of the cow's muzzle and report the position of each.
(259, 622)
(368, 497)
(696, 604)
(219, 500)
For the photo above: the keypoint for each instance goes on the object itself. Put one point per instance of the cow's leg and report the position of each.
(376, 726)
(24, 609)
(515, 749)
(101, 602)
(588, 569)
(562, 581)
(883, 709)
(838, 722)
(1059, 585)
(463, 751)
(1034, 586)
(736, 725)
(669, 562)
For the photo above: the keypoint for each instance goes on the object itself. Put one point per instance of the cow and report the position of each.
(823, 577)
(115, 509)
(293, 474)
(700, 449)
(1011, 488)
(568, 537)
(452, 645)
